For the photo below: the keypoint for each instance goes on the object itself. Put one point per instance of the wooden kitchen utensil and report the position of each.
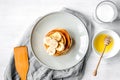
(107, 41)
(21, 61)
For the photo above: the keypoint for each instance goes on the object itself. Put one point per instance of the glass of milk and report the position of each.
(106, 11)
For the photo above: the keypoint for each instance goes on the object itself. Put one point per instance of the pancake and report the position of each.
(62, 37)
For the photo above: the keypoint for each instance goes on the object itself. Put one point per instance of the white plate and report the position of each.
(77, 31)
(116, 45)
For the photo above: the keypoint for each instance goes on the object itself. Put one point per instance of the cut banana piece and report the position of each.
(51, 51)
(61, 41)
(56, 36)
(60, 47)
(53, 43)
(47, 40)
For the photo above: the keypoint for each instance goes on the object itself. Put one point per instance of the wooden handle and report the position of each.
(23, 78)
(95, 71)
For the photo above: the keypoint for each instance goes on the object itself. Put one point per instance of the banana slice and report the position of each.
(47, 40)
(53, 43)
(60, 47)
(61, 41)
(56, 36)
(51, 51)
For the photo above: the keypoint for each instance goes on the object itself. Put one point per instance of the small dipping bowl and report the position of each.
(115, 47)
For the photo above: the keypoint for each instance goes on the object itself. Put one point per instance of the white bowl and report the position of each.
(116, 45)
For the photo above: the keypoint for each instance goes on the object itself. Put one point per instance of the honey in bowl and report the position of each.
(99, 43)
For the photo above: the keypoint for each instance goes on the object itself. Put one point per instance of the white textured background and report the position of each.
(17, 15)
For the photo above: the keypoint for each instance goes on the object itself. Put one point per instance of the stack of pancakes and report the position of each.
(57, 42)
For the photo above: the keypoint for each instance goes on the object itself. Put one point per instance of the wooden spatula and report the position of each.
(21, 61)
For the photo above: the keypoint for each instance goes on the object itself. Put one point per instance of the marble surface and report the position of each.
(17, 15)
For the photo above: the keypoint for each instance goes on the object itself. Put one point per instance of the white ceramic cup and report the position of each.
(116, 45)
(106, 11)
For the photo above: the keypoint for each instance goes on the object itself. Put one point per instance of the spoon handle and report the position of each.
(95, 71)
